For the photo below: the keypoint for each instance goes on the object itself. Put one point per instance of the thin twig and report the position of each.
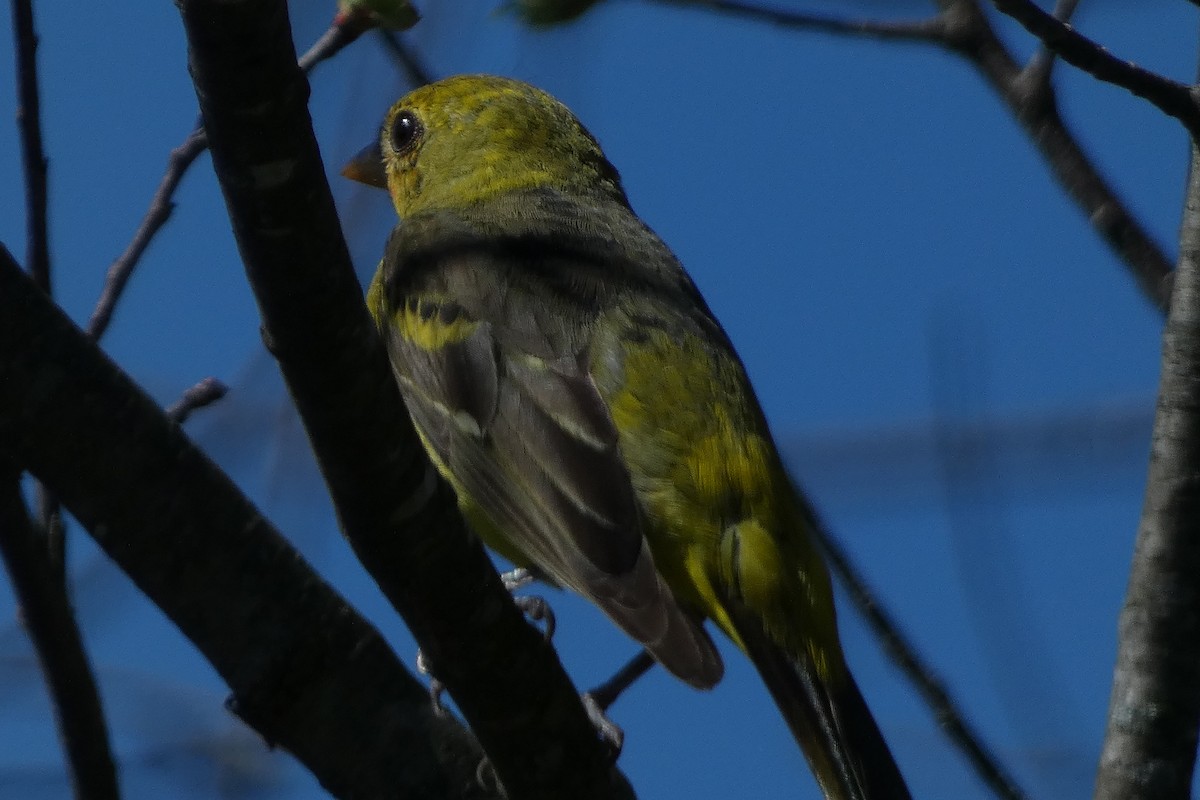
(926, 30)
(920, 674)
(33, 157)
(341, 33)
(47, 616)
(607, 693)
(1040, 67)
(204, 393)
(1171, 97)
(962, 28)
(157, 215)
(1034, 105)
(418, 73)
(308, 672)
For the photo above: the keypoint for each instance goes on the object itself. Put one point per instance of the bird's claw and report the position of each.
(516, 578)
(436, 687)
(537, 609)
(534, 607)
(608, 731)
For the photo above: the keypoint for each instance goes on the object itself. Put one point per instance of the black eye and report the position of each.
(405, 130)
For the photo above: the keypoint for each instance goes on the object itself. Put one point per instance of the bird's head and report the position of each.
(465, 139)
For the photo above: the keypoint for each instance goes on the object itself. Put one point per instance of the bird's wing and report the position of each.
(495, 375)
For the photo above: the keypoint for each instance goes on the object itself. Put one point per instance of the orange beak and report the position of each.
(367, 167)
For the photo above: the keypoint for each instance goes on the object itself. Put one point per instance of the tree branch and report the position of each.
(417, 73)
(29, 116)
(962, 28)
(343, 31)
(1171, 97)
(398, 515)
(204, 393)
(922, 675)
(927, 30)
(42, 598)
(307, 672)
(1035, 106)
(1150, 744)
(1040, 67)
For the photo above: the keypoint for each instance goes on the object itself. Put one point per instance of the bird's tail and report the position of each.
(830, 719)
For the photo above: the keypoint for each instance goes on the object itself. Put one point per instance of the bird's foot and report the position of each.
(436, 687)
(533, 606)
(609, 732)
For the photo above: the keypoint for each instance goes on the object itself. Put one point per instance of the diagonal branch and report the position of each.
(343, 31)
(417, 72)
(204, 393)
(1035, 106)
(306, 670)
(1040, 67)
(961, 27)
(921, 674)
(926, 30)
(1171, 97)
(398, 515)
(47, 616)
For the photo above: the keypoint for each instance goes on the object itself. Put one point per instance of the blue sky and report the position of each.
(888, 253)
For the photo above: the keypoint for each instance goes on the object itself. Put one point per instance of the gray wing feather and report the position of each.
(513, 413)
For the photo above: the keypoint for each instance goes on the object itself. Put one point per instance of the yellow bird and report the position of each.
(567, 378)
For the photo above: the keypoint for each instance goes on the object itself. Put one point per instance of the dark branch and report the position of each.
(33, 158)
(962, 28)
(1040, 67)
(344, 31)
(1171, 97)
(927, 30)
(159, 212)
(417, 72)
(399, 516)
(306, 671)
(42, 598)
(204, 393)
(919, 673)
(1035, 106)
(1150, 743)
(607, 693)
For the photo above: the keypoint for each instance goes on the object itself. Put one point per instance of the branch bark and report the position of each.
(1171, 97)
(33, 157)
(398, 515)
(306, 670)
(47, 616)
(962, 28)
(1150, 744)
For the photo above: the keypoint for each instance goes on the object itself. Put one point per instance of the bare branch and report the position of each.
(418, 74)
(927, 30)
(341, 33)
(1040, 67)
(204, 393)
(306, 670)
(1150, 743)
(159, 212)
(42, 597)
(400, 517)
(1035, 106)
(962, 28)
(33, 158)
(921, 674)
(1171, 97)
